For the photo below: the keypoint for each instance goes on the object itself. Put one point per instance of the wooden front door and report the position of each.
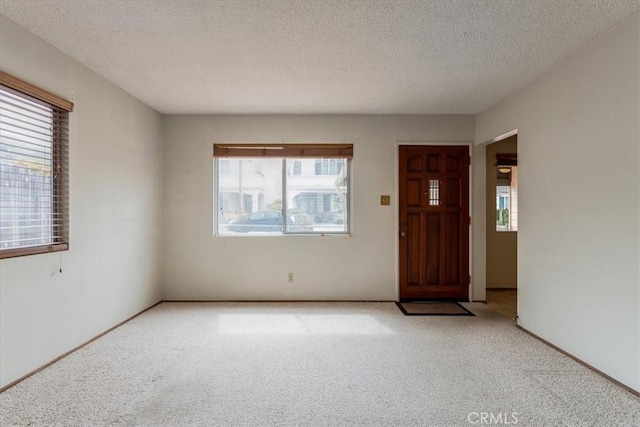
(434, 222)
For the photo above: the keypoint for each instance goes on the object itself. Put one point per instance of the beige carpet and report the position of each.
(315, 364)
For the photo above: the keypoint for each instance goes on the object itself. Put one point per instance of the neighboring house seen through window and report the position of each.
(282, 189)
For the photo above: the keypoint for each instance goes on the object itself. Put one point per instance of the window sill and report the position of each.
(233, 236)
(35, 250)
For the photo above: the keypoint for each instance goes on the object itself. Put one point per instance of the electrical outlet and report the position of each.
(385, 200)
(290, 277)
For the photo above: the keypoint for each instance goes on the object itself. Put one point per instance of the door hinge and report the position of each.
(469, 220)
(469, 282)
(469, 159)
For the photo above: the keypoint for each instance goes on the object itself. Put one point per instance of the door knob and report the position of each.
(403, 234)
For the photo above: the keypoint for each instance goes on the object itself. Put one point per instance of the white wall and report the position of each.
(199, 266)
(579, 194)
(112, 268)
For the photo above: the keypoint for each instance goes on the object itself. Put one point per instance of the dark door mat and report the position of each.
(433, 308)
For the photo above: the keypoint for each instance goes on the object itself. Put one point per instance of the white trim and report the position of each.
(500, 137)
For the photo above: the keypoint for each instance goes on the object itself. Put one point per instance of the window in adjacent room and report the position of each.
(34, 179)
(507, 198)
(282, 189)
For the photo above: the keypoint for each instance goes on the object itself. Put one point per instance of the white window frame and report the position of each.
(346, 231)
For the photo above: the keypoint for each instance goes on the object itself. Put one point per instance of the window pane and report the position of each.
(434, 192)
(507, 199)
(513, 212)
(26, 173)
(249, 196)
(317, 197)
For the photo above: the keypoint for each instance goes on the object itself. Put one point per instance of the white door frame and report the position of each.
(479, 215)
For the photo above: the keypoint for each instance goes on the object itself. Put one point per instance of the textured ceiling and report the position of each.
(319, 56)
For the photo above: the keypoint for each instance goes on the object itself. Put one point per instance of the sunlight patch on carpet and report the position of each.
(290, 324)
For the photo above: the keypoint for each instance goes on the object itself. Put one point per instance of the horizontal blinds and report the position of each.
(34, 198)
(343, 151)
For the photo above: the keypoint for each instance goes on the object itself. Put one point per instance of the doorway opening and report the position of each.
(502, 226)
